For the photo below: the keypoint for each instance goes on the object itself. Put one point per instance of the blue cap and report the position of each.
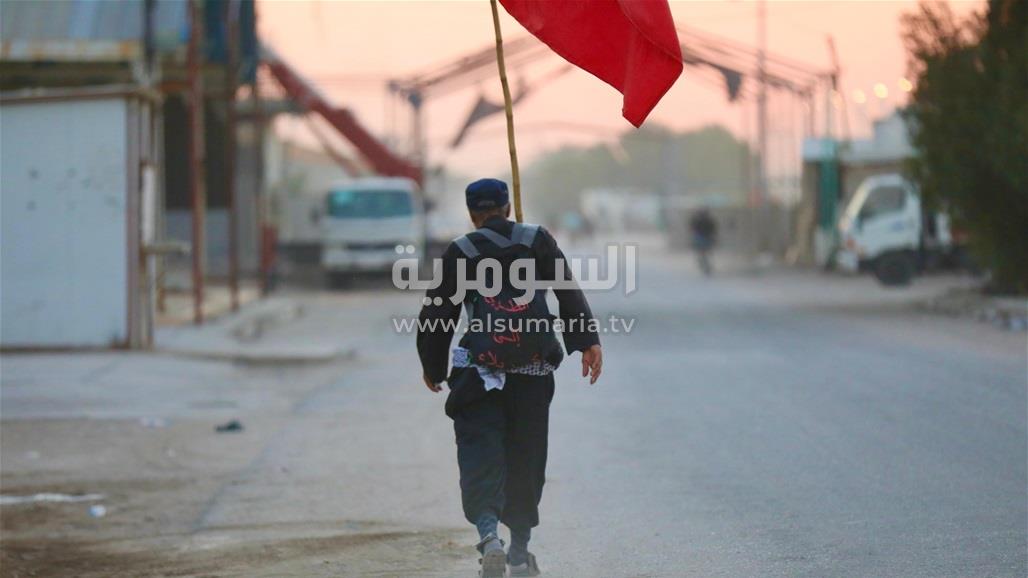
(486, 194)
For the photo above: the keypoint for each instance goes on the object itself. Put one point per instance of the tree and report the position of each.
(969, 119)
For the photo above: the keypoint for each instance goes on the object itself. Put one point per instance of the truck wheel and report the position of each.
(894, 269)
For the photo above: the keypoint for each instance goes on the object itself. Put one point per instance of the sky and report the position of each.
(351, 48)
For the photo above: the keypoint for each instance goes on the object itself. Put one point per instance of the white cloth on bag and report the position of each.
(495, 378)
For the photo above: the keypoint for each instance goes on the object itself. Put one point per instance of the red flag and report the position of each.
(629, 44)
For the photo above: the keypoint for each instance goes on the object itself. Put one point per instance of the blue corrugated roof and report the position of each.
(29, 25)
(84, 20)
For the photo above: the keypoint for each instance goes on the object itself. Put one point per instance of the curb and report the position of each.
(270, 356)
(237, 339)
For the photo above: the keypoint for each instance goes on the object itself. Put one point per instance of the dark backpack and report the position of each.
(527, 336)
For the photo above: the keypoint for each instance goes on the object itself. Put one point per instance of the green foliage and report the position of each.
(653, 159)
(970, 117)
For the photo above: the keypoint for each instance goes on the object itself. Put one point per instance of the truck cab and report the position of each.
(884, 229)
(368, 223)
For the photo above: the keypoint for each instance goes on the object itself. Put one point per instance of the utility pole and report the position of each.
(197, 194)
(231, 86)
(762, 102)
(260, 206)
(836, 90)
(418, 147)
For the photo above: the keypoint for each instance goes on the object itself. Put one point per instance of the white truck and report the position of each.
(367, 224)
(884, 229)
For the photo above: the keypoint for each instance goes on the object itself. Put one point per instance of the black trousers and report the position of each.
(501, 445)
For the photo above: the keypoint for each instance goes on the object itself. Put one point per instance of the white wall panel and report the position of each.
(63, 260)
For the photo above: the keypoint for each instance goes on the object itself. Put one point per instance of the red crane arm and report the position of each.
(381, 159)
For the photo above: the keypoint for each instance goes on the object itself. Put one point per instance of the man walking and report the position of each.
(501, 383)
(704, 236)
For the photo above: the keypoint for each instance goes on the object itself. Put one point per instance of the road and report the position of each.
(781, 424)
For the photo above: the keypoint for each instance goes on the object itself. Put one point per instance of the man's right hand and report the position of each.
(435, 387)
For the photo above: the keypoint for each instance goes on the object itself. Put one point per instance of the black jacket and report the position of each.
(434, 346)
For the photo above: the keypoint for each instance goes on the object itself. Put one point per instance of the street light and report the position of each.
(881, 91)
(859, 96)
(905, 85)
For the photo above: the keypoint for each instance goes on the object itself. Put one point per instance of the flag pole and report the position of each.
(509, 108)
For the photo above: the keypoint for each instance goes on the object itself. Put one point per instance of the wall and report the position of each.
(64, 223)
(744, 231)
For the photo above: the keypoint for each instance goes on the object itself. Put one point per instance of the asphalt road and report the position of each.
(761, 427)
(783, 424)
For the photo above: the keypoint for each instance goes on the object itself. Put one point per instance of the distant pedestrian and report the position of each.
(501, 383)
(704, 235)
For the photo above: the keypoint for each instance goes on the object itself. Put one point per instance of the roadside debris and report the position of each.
(48, 497)
(98, 511)
(1009, 313)
(274, 315)
(229, 427)
(153, 422)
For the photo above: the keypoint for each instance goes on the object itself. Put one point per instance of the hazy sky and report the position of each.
(350, 48)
